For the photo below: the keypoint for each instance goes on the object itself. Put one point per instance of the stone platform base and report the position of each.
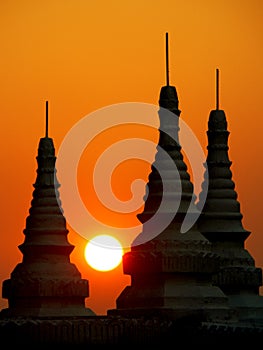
(108, 332)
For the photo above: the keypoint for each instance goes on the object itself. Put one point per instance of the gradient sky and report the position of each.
(83, 55)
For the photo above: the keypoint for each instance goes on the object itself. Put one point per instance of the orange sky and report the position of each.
(83, 55)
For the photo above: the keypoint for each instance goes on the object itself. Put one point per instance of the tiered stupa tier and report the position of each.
(46, 283)
(170, 273)
(221, 224)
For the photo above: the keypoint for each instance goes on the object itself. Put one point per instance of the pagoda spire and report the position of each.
(170, 272)
(45, 283)
(221, 222)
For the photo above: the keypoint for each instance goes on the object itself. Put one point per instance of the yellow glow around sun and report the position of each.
(103, 253)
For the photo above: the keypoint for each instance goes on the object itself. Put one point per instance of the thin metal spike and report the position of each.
(217, 88)
(46, 118)
(167, 60)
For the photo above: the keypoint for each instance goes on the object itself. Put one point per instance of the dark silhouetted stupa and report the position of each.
(45, 283)
(171, 274)
(221, 224)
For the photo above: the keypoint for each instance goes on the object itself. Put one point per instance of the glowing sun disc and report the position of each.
(103, 253)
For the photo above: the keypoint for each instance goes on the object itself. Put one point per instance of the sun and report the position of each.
(103, 253)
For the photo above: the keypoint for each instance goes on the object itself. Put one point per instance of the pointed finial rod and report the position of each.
(46, 118)
(217, 88)
(167, 60)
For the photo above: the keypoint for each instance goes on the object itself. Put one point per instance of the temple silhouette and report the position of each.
(199, 287)
(45, 283)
